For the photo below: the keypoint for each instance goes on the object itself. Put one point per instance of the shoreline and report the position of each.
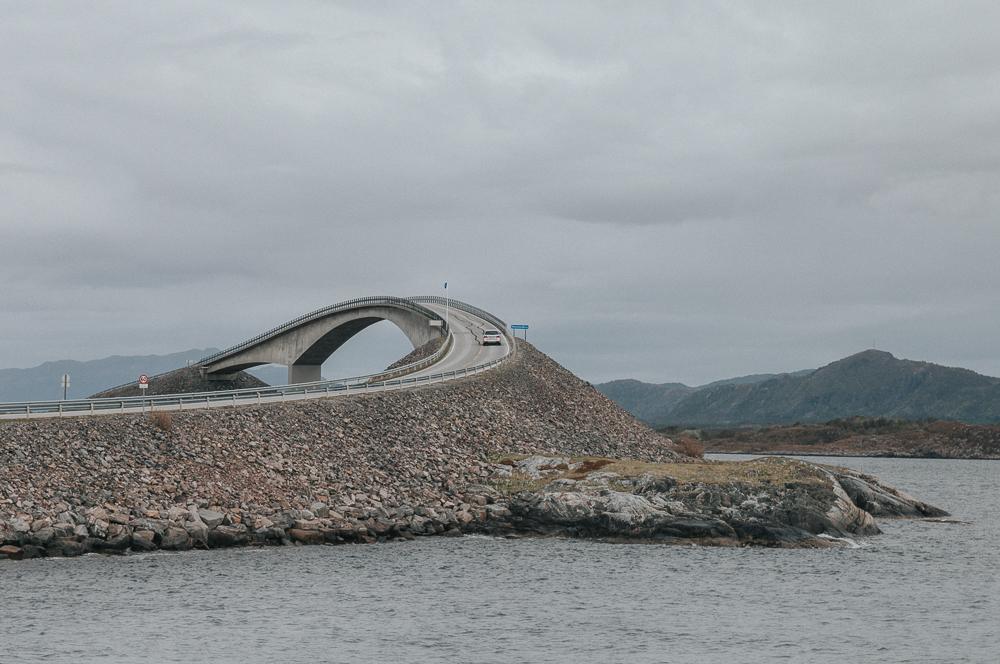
(772, 503)
(197, 528)
(526, 449)
(850, 455)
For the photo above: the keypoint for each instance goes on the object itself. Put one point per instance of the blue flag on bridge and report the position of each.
(446, 285)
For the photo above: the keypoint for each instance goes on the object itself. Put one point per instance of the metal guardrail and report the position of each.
(249, 396)
(406, 369)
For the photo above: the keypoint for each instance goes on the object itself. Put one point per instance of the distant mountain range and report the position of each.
(86, 378)
(872, 384)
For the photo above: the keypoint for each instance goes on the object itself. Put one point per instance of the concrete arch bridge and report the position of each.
(303, 344)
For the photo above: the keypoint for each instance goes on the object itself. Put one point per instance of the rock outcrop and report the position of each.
(771, 502)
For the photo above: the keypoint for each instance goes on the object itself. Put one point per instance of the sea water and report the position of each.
(921, 592)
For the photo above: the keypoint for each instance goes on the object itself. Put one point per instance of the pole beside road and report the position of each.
(446, 302)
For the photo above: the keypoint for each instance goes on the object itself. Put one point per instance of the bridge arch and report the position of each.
(306, 342)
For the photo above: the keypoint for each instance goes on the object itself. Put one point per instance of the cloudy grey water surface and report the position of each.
(922, 592)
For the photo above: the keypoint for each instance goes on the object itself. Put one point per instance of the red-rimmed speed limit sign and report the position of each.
(143, 381)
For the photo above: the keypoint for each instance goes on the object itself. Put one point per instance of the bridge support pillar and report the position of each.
(304, 373)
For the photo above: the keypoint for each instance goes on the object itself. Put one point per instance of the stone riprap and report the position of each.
(348, 469)
(417, 354)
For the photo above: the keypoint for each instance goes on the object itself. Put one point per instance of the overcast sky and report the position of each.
(665, 191)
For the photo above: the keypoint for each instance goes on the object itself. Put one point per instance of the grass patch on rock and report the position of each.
(516, 483)
(755, 472)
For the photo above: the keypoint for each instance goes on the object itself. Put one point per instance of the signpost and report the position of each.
(522, 327)
(447, 301)
(143, 386)
(65, 385)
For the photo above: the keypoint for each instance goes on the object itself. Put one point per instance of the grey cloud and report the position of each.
(681, 191)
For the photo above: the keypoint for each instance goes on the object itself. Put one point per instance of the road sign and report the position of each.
(143, 381)
(519, 327)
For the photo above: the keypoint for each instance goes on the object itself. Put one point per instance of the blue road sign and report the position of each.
(519, 327)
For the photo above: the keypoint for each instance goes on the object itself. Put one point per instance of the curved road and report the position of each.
(466, 356)
(466, 350)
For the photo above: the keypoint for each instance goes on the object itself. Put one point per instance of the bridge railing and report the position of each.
(405, 369)
(247, 396)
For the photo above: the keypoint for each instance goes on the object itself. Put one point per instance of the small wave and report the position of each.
(947, 520)
(851, 544)
(488, 538)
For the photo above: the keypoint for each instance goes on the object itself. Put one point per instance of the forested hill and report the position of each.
(871, 383)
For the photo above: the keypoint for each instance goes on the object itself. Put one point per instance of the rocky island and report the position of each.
(769, 502)
(525, 449)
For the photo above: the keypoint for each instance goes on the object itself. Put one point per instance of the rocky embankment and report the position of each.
(863, 437)
(417, 354)
(385, 465)
(183, 380)
(442, 459)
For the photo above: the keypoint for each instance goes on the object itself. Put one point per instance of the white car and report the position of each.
(491, 338)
